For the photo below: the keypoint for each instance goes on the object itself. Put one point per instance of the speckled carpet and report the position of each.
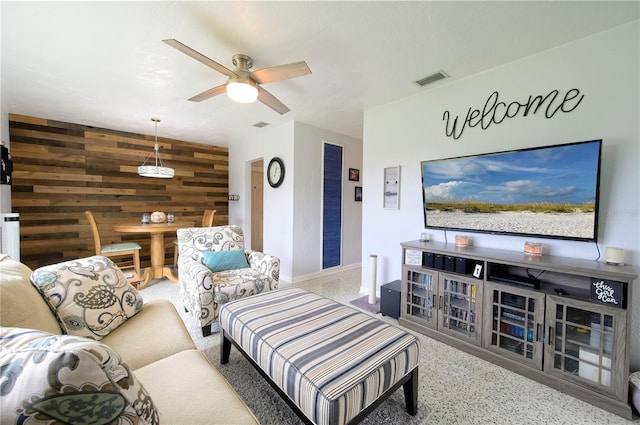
(363, 303)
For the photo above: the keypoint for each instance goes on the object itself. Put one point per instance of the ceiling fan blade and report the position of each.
(270, 100)
(280, 72)
(199, 57)
(208, 94)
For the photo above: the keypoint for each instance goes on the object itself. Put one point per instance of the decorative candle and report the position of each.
(533, 248)
(462, 240)
(613, 255)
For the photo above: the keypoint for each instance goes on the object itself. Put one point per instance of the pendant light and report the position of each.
(158, 170)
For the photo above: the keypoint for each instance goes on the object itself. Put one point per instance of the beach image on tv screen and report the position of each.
(550, 191)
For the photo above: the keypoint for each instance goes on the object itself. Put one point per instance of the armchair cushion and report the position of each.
(219, 261)
(67, 379)
(90, 296)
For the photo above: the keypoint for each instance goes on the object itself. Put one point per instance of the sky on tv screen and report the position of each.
(558, 174)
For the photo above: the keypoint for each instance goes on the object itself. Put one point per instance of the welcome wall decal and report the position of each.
(496, 111)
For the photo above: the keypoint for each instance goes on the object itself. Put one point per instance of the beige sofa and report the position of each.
(152, 349)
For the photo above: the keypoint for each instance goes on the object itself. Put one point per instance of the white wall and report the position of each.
(4, 117)
(308, 200)
(278, 203)
(604, 67)
(5, 190)
(293, 212)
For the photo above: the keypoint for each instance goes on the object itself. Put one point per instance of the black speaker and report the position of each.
(450, 263)
(464, 265)
(438, 261)
(390, 294)
(427, 260)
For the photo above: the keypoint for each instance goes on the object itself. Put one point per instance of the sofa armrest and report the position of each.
(156, 332)
(264, 263)
(21, 305)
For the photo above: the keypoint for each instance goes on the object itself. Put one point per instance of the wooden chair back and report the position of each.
(117, 250)
(96, 233)
(207, 218)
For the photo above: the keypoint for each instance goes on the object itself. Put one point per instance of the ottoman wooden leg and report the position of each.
(411, 392)
(225, 348)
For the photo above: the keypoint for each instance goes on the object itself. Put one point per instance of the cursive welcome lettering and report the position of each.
(495, 111)
(605, 293)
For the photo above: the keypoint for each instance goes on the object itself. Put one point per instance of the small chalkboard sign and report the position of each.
(609, 292)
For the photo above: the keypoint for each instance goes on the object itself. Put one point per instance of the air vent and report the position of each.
(432, 78)
(261, 124)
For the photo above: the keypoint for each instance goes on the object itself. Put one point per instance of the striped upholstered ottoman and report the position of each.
(331, 363)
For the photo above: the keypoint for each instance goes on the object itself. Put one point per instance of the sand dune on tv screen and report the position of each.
(575, 225)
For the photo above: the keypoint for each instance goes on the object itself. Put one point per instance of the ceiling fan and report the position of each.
(243, 85)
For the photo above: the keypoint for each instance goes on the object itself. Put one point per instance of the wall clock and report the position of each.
(275, 172)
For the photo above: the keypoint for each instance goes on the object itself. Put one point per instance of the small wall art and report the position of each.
(358, 194)
(354, 174)
(391, 188)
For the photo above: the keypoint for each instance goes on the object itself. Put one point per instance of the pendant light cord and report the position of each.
(156, 147)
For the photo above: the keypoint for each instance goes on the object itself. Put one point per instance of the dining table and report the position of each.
(158, 270)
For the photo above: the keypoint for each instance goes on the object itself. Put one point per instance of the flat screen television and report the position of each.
(549, 192)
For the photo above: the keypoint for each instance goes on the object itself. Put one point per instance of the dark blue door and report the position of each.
(332, 206)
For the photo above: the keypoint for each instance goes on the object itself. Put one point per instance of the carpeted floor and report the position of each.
(454, 387)
(363, 303)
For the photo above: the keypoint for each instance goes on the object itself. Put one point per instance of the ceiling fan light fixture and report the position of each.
(158, 171)
(242, 90)
(243, 85)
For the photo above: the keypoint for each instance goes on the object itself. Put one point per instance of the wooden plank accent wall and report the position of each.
(62, 169)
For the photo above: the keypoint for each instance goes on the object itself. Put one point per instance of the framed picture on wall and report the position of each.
(354, 174)
(358, 194)
(391, 199)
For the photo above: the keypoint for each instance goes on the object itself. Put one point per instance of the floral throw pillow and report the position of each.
(90, 296)
(64, 379)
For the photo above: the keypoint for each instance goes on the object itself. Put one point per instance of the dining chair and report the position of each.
(207, 221)
(115, 249)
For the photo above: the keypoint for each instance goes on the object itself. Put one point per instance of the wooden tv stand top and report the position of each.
(592, 268)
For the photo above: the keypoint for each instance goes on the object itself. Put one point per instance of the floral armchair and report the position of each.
(204, 287)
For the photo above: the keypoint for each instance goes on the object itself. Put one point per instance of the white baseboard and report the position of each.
(322, 273)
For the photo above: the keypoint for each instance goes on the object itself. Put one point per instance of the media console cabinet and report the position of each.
(551, 319)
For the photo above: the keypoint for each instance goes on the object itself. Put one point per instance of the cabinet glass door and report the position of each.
(582, 343)
(516, 324)
(458, 307)
(421, 295)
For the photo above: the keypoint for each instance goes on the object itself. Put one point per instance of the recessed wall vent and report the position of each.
(432, 78)
(261, 124)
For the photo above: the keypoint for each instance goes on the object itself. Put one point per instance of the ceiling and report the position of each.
(104, 64)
